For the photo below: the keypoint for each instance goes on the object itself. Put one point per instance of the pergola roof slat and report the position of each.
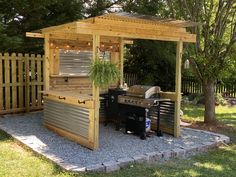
(130, 26)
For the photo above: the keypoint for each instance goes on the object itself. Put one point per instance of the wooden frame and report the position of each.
(116, 29)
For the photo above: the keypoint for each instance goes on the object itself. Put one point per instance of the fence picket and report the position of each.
(27, 81)
(13, 81)
(39, 79)
(21, 80)
(1, 83)
(33, 94)
(7, 81)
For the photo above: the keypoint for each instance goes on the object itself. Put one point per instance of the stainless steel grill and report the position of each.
(141, 96)
(135, 106)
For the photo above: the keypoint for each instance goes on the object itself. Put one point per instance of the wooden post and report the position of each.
(121, 44)
(96, 45)
(179, 50)
(56, 61)
(46, 62)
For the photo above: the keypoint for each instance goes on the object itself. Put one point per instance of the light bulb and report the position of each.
(186, 64)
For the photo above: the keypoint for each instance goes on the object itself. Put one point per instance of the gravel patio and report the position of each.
(116, 148)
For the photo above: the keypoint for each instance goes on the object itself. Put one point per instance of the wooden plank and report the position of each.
(121, 44)
(39, 79)
(169, 95)
(136, 33)
(72, 101)
(7, 81)
(66, 27)
(9, 111)
(179, 50)
(21, 80)
(14, 75)
(51, 60)
(34, 35)
(127, 32)
(27, 83)
(56, 66)
(46, 62)
(33, 87)
(21, 84)
(82, 141)
(94, 122)
(1, 82)
(85, 38)
(140, 25)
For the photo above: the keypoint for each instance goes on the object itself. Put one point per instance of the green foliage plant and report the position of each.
(103, 73)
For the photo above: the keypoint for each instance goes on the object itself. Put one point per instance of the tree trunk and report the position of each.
(208, 91)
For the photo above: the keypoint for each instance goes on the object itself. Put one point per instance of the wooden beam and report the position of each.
(95, 121)
(56, 66)
(150, 26)
(46, 62)
(179, 50)
(85, 38)
(121, 61)
(64, 27)
(134, 33)
(34, 35)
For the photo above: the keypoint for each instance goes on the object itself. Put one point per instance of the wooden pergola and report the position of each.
(116, 29)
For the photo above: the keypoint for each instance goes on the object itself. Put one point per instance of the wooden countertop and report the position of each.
(69, 94)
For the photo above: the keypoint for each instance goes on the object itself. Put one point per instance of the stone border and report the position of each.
(151, 157)
(161, 156)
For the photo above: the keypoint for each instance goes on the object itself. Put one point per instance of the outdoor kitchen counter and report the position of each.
(71, 97)
(70, 114)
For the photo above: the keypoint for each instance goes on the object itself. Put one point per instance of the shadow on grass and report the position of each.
(4, 136)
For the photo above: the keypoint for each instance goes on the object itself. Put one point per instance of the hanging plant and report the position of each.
(103, 73)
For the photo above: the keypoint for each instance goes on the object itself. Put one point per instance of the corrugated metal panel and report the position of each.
(73, 62)
(167, 115)
(68, 117)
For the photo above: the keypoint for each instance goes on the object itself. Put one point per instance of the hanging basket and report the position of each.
(103, 73)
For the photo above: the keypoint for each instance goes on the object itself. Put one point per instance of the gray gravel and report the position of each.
(114, 145)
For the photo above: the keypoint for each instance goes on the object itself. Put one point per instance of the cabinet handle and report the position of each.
(80, 102)
(62, 98)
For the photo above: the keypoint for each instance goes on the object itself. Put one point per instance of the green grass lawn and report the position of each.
(18, 161)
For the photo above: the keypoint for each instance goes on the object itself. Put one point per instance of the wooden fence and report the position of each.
(131, 79)
(192, 85)
(21, 82)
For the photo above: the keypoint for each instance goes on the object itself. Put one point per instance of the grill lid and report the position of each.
(143, 91)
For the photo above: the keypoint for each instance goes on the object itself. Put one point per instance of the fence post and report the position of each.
(27, 90)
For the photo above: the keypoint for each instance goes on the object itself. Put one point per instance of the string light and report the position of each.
(102, 45)
(111, 47)
(51, 44)
(89, 43)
